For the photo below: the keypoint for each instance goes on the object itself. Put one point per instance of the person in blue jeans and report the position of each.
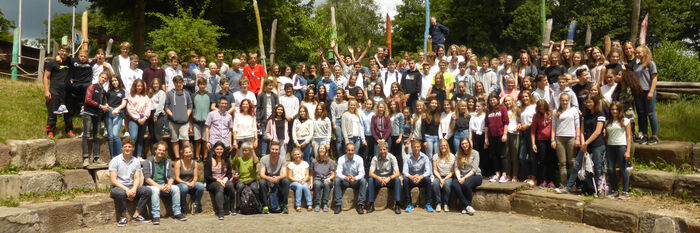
(116, 99)
(646, 71)
(619, 131)
(430, 126)
(384, 172)
(416, 173)
(460, 124)
(467, 175)
(443, 162)
(323, 169)
(350, 173)
(274, 184)
(186, 172)
(298, 174)
(158, 173)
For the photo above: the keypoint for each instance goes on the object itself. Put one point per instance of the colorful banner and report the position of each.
(643, 31)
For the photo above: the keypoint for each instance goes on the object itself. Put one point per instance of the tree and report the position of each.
(5, 26)
(409, 26)
(184, 33)
(357, 22)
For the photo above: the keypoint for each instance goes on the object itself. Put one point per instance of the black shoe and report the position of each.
(285, 210)
(121, 222)
(360, 209)
(221, 217)
(637, 138)
(653, 141)
(370, 208)
(140, 219)
(156, 221)
(397, 209)
(180, 217)
(643, 140)
(196, 209)
(338, 209)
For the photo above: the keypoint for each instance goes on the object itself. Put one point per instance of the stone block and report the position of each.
(384, 199)
(544, 204)
(98, 209)
(14, 219)
(613, 215)
(4, 156)
(507, 188)
(40, 181)
(695, 159)
(101, 178)
(665, 225)
(33, 154)
(417, 197)
(69, 152)
(78, 178)
(686, 186)
(653, 181)
(207, 203)
(11, 186)
(650, 222)
(491, 201)
(673, 152)
(349, 199)
(59, 216)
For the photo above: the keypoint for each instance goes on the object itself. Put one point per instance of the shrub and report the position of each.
(676, 62)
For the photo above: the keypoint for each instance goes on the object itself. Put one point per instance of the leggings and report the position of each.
(497, 150)
(545, 159)
(526, 156)
(478, 141)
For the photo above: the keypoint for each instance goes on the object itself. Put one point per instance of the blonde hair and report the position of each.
(647, 55)
(386, 109)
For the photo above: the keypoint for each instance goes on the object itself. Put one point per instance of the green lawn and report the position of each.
(23, 114)
(23, 111)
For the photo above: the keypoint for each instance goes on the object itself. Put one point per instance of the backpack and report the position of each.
(249, 203)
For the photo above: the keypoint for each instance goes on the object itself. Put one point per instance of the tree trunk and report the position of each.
(139, 26)
(636, 7)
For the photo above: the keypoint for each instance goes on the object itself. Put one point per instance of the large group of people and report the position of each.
(439, 121)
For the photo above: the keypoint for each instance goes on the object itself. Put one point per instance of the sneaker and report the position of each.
(470, 210)
(180, 217)
(429, 208)
(82, 110)
(438, 208)
(196, 209)
(317, 208)
(285, 210)
(653, 141)
(70, 134)
(360, 209)
(543, 184)
(563, 190)
(446, 209)
(643, 140)
(121, 222)
(63, 109)
(370, 208)
(397, 209)
(551, 185)
(98, 162)
(86, 162)
(50, 135)
(514, 180)
(338, 209)
(464, 211)
(409, 208)
(140, 219)
(503, 179)
(625, 196)
(325, 208)
(59, 110)
(494, 178)
(637, 138)
(156, 221)
(613, 195)
(221, 217)
(265, 210)
(126, 134)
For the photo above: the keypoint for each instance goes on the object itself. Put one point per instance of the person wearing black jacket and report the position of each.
(411, 84)
(267, 101)
(95, 106)
(438, 34)
(218, 177)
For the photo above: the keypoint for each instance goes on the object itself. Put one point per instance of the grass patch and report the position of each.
(23, 111)
(11, 169)
(678, 120)
(50, 196)
(662, 165)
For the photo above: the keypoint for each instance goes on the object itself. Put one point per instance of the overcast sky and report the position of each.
(34, 12)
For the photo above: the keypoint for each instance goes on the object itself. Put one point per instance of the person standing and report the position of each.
(438, 34)
(56, 79)
(254, 72)
(178, 106)
(95, 107)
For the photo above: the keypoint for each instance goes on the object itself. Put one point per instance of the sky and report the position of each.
(34, 12)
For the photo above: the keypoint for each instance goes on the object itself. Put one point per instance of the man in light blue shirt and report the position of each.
(416, 173)
(350, 173)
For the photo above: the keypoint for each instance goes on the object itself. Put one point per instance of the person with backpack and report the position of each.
(246, 163)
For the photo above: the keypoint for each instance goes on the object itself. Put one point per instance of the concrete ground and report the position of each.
(349, 221)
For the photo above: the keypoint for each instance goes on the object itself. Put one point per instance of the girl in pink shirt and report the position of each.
(138, 106)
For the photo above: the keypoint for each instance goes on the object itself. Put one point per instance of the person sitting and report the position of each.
(384, 172)
(350, 173)
(158, 173)
(246, 172)
(416, 173)
(467, 175)
(125, 177)
(217, 175)
(273, 181)
(323, 168)
(186, 175)
(299, 176)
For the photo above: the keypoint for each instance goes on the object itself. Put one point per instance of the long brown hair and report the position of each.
(133, 87)
(432, 115)
(464, 157)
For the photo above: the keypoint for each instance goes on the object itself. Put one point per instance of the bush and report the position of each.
(676, 62)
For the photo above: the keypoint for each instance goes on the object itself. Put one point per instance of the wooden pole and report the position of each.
(427, 47)
(588, 35)
(260, 36)
(547, 36)
(40, 70)
(84, 30)
(636, 7)
(388, 33)
(273, 35)
(108, 53)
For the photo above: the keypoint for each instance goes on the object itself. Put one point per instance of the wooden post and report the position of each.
(260, 36)
(108, 53)
(84, 30)
(547, 36)
(273, 35)
(588, 35)
(40, 70)
(636, 7)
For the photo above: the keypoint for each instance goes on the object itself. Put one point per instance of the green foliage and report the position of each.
(522, 31)
(11, 169)
(409, 26)
(357, 22)
(674, 118)
(675, 62)
(662, 165)
(9, 202)
(5, 26)
(184, 34)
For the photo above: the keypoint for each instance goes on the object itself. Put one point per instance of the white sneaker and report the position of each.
(470, 210)
(438, 208)
(464, 211)
(63, 109)
(494, 178)
(503, 179)
(446, 209)
(126, 134)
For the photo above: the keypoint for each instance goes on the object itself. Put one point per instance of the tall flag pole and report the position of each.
(543, 20)
(388, 33)
(643, 31)
(427, 26)
(260, 35)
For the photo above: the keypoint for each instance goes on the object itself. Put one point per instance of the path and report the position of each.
(350, 221)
